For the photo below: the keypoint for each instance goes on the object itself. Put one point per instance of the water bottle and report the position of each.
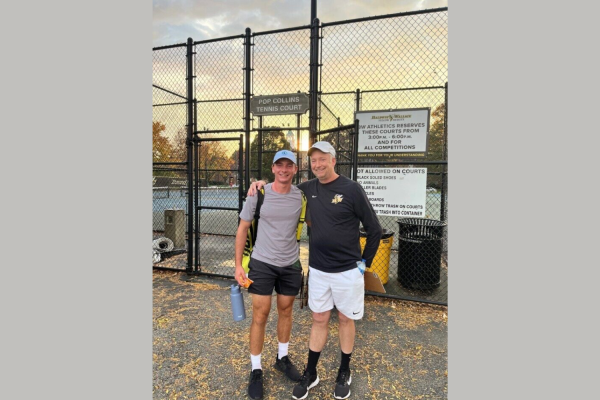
(237, 303)
(361, 265)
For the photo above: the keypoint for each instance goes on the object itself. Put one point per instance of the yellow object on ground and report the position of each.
(381, 261)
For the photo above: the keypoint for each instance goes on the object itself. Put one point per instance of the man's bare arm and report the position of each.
(255, 187)
(240, 241)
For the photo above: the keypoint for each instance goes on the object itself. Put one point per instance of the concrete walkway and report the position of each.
(199, 352)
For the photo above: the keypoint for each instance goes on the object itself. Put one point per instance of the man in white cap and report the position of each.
(274, 264)
(336, 205)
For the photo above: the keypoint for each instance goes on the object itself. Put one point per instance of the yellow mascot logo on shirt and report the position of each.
(337, 198)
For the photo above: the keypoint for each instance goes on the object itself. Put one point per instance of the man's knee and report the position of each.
(321, 318)
(284, 312)
(285, 305)
(260, 312)
(260, 318)
(344, 320)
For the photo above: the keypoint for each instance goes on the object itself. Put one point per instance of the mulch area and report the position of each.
(199, 352)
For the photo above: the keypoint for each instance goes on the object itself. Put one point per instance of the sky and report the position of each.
(345, 67)
(173, 21)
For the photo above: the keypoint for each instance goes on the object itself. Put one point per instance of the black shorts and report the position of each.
(285, 280)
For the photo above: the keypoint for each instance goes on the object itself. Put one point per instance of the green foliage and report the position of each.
(214, 164)
(436, 145)
(161, 147)
(436, 134)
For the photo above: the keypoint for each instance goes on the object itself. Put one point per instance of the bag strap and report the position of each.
(302, 217)
(259, 202)
(254, 226)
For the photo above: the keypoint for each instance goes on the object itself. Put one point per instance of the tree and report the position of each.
(179, 152)
(214, 164)
(272, 142)
(234, 167)
(436, 134)
(234, 159)
(161, 147)
(213, 159)
(436, 145)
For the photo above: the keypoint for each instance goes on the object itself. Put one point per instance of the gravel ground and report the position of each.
(199, 352)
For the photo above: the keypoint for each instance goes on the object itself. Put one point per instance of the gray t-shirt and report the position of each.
(276, 238)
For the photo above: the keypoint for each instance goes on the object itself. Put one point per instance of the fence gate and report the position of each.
(217, 201)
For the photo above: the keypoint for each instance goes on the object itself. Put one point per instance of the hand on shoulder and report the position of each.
(255, 187)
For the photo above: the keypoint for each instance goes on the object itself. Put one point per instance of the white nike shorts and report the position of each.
(345, 290)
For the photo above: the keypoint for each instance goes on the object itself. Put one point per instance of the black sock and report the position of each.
(345, 364)
(313, 359)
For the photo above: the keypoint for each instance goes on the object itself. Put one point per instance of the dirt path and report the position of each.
(199, 352)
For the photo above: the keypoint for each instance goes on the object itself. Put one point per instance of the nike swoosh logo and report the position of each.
(314, 196)
(354, 313)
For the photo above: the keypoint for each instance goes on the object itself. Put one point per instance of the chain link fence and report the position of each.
(398, 61)
(169, 154)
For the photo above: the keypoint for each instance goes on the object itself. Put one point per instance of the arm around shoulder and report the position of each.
(255, 187)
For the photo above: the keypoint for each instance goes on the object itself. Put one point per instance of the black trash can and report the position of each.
(420, 252)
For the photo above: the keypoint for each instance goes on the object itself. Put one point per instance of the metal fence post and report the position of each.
(247, 95)
(259, 148)
(190, 149)
(196, 191)
(355, 141)
(445, 156)
(314, 78)
(298, 143)
(355, 152)
(240, 172)
(314, 82)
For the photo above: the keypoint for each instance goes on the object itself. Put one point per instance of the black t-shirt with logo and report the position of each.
(336, 210)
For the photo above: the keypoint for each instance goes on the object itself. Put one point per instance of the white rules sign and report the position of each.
(400, 133)
(398, 192)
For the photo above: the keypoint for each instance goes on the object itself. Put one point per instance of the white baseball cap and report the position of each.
(325, 147)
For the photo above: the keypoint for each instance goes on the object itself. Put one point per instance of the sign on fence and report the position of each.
(393, 133)
(279, 104)
(166, 181)
(399, 192)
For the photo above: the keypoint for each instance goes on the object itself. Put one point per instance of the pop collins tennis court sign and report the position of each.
(279, 104)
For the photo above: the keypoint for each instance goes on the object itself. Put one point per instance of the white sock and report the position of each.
(255, 362)
(283, 350)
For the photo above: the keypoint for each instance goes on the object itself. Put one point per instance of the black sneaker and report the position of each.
(342, 384)
(255, 387)
(307, 381)
(285, 365)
